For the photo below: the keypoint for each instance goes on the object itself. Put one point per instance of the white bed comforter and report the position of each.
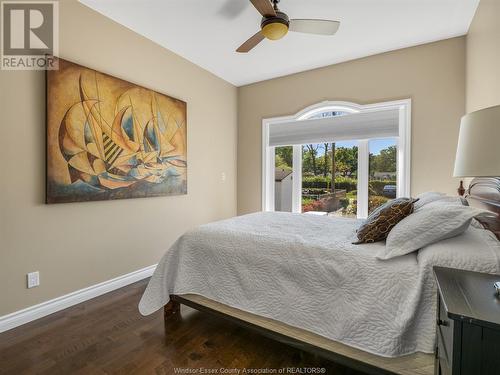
(303, 270)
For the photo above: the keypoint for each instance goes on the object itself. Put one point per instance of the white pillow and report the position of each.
(427, 226)
(475, 250)
(476, 224)
(446, 201)
(426, 198)
(431, 198)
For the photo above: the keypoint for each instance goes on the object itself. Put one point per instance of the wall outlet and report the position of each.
(33, 279)
(223, 176)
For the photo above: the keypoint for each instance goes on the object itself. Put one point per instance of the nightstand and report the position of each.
(468, 323)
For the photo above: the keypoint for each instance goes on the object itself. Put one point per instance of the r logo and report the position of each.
(28, 29)
(18, 28)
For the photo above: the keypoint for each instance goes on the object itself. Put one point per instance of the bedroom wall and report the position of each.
(80, 244)
(432, 75)
(483, 57)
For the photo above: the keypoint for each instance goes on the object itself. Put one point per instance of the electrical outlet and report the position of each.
(223, 177)
(33, 279)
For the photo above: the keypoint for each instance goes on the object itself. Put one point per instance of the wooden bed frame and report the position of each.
(482, 192)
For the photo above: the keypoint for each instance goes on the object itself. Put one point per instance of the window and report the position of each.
(319, 163)
(283, 181)
(363, 149)
(382, 185)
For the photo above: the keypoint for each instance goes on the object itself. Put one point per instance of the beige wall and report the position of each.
(432, 75)
(483, 57)
(80, 244)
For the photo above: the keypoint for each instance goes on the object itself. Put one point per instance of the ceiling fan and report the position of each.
(276, 24)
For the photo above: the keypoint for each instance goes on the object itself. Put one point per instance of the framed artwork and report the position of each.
(111, 139)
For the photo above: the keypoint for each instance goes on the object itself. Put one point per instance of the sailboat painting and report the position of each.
(111, 139)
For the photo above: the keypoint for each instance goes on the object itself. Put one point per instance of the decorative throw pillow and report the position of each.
(380, 222)
(427, 226)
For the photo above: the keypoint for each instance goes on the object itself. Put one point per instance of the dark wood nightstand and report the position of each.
(468, 323)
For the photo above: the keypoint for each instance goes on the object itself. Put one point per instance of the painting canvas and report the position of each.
(110, 139)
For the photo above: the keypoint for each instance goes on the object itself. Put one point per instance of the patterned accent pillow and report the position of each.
(380, 222)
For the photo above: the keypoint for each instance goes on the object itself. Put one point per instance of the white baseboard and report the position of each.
(31, 313)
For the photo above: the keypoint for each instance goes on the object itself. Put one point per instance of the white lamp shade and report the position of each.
(478, 151)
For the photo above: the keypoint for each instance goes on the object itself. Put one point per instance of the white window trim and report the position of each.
(403, 157)
(363, 179)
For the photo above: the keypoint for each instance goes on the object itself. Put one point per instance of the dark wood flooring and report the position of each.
(107, 335)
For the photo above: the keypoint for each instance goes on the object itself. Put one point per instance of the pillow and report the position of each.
(380, 222)
(476, 224)
(474, 250)
(427, 226)
(445, 201)
(428, 197)
(431, 197)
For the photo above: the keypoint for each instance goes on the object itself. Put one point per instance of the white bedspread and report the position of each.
(303, 270)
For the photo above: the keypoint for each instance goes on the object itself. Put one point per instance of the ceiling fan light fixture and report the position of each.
(276, 24)
(275, 30)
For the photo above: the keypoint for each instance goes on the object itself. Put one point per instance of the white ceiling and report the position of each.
(207, 32)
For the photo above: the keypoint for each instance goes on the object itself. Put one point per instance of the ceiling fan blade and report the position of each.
(320, 27)
(264, 7)
(251, 43)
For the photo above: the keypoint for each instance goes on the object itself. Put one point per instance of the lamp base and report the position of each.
(461, 189)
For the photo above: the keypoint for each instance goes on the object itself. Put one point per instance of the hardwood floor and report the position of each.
(107, 335)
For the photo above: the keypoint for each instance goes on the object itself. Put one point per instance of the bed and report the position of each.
(294, 277)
